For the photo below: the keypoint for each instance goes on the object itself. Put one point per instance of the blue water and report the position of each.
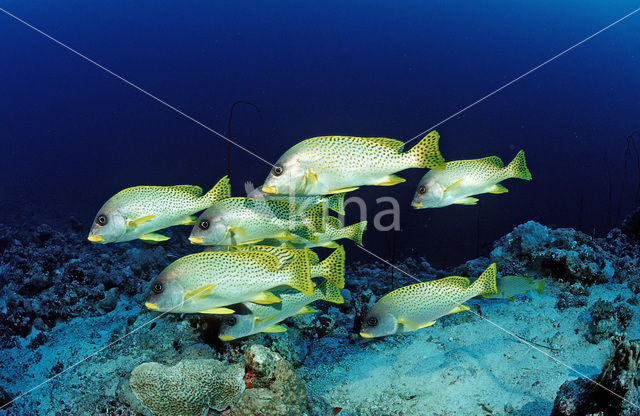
(72, 135)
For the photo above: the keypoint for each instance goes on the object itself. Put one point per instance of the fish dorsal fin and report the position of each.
(264, 259)
(284, 255)
(493, 161)
(458, 279)
(393, 144)
(189, 189)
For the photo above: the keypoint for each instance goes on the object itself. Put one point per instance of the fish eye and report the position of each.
(277, 170)
(157, 288)
(422, 190)
(204, 224)
(231, 321)
(101, 220)
(373, 321)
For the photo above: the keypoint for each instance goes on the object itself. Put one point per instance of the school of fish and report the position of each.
(258, 268)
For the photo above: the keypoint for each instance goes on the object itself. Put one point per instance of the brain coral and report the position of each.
(188, 388)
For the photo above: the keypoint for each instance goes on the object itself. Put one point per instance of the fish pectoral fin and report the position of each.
(467, 201)
(238, 231)
(199, 293)
(454, 186)
(265, 298)
(341, 190)
(305, 310)
(154, 237)
(218, 311)
(190, 220)
(312, 177)
(274, 328)
(498, 189)
(390, 180)
(141, 220)
(459, 308)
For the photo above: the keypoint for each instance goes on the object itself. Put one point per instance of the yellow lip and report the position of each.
(417, 204)
(95, 238)
(151, 306)
(269, 189)
(225, 337)
(363, 335)
(196, 240)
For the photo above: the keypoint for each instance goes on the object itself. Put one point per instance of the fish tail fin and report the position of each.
(336, 203)
(354, 232)
(539, 286)
(486, 284)
(329, 292)
(299, 274)
(426, 153)
(331, 268)
(315, 217)
(517, 168)
(220, 191)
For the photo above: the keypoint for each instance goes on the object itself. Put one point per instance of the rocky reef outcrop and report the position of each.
(616, 393)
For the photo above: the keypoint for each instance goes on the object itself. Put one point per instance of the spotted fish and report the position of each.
(412, 307)
(335, 164)
(238, 221)
(461, 179)
(265, 318)
(209, 281)
(334, 230)
(140, 211)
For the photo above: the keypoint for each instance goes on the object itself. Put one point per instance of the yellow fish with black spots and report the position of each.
(139, 211)
(412, 307)
(460, 179)
(335, 164)
(265, 318)
(239, 220)
(209, 281)
(334, 230)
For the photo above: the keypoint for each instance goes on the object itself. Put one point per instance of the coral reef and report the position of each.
(564, 254)
(620, 379)
(272, 386)
(49, 275)
(188, 388)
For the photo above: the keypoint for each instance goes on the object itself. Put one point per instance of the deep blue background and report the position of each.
(73, 135)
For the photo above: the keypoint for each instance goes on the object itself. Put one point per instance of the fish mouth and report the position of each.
(196, 240)
(151, 306)
(365, 335)
(417, 204)
(95, 238)
(225, 337)
(269, 190)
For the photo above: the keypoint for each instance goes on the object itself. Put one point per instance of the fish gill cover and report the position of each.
(321, 270)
